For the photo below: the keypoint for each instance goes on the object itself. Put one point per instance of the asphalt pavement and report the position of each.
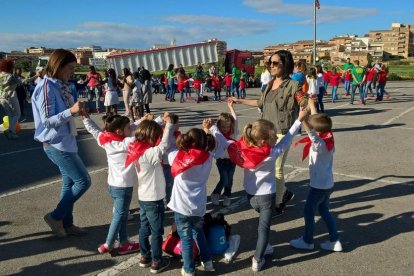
(372, 199)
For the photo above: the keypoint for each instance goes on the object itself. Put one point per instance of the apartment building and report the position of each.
(397, 42)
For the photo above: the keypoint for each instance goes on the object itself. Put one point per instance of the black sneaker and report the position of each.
(287, 196)
(279, 210)
(160, 266)
(144, 262)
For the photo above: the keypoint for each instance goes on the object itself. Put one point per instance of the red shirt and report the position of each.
(242, 84)
(93, 79)
(371, 74)
(325, 75)
(334, 79)
(216, 83)
(382, 77)
(182, 84)
(227, 80)
(348, 76)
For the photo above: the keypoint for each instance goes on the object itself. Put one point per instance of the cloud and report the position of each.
(327, 14)
(186, 29)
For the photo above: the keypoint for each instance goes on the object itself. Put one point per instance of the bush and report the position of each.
(394, 77)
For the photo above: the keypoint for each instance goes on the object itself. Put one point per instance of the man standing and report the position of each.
(235, 73)
(358, 77)
(346, 71)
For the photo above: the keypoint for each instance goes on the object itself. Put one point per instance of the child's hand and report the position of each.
(303, 113)
(148, 116)
(312, 99)
(165, 115)
(230, 104)
(234, 100)
(207, 123)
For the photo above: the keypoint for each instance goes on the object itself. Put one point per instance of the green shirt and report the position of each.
(235, 74)
(347, 66)
(170, 74)
(358, 73)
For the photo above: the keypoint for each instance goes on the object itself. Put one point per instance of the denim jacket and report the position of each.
(51, 116)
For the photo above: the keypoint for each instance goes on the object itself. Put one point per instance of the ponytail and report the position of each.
(195, 138)
(247, 134)
(211, 142)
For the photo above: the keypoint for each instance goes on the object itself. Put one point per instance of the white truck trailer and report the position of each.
(159, 59)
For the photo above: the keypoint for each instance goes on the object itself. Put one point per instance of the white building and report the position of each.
(101, 54)
(92, 48)
(98, 62)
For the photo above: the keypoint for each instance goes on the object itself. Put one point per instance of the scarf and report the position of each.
(327, 137)
(107, 137)
(69, 102)
(135, 150)
(186, 160)
(246, 156)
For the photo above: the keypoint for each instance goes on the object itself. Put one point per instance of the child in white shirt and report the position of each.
(190, 166)
(115, 140)
(319, 145)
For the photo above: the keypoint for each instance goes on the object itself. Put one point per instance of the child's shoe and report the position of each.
(144, 261)
(332, 246)
(157, 267)
(256, 265)
(226, 201)
(215, 199)
(128, 247)
(301, 244)
(208, 266)
(183, 273)
(103, 249)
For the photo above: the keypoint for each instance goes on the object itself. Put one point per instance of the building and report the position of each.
(101, 54)
(99, 63)
(92, 48)
(397, 42)
(35, 50)
(83, 57)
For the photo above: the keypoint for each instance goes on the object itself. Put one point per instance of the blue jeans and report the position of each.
(181, 95)
(226, 170)
(368, 86)
(319, 105)
(122, 199)
(217, 95)
(264, 205)
(319, 199)
(347, 86)
(171, 89)
(243, 93)
(169, 181)
(235, 86)
(361, 92)
(334, 89)
(189, 228)
(152, 224)
(94, 93)
(75, 182)
(325, 84)
(228, 91)
(380, 91)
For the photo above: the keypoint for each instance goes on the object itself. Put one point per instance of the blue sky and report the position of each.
(138, 24)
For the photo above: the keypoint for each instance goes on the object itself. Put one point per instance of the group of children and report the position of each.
(174, 167)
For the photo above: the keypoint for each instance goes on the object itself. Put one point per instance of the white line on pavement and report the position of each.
(398, 116)
(45, 184)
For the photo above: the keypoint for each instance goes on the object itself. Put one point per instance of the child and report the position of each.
(382, 81)
(136, 102)
(190, 167)
(227, 125)
(182, 85)
(320, 88)
(216, 84)
(242, 88)
(334, 79)
(111, 95)
(120, 179)
(227, 81)
(256, 152)
(147, 154)
(320, 148)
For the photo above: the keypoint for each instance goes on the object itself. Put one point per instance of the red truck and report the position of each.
(242, 59)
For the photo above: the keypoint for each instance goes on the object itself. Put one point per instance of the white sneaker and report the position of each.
(226, 201)
(269, 250)
(301, 244)
(208, 266)
(183, 273)
(257, 266)
(215, 199)
(332, 246)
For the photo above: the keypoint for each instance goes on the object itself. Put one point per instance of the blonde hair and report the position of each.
(321, 122)
(226, 118)
(259, 130)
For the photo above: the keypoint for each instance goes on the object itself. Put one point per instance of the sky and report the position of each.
(139, 24)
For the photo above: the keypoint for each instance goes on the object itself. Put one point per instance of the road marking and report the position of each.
(45, 184)
(398, 116)
(37, 148)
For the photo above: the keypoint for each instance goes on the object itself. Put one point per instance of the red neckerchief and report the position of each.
(135, 150)
(228, 136)
(107, 137)
(185, 160)
(327, 137)
(246, 156)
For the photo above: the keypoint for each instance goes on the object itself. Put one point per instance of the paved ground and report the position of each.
(373, 198)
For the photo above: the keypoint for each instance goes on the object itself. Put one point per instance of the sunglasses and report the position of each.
(274, 63)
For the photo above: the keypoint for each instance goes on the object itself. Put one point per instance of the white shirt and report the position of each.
(320, 163)
(265, 77)
(261, 180)
(118, 175)
(189, 193)
(222, 143)
(151, 180)
(319, 80)
(313, 86)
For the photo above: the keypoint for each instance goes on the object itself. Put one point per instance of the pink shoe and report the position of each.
(127, 248)
(103, 249)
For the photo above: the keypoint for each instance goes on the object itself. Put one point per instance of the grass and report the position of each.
(401, 68)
